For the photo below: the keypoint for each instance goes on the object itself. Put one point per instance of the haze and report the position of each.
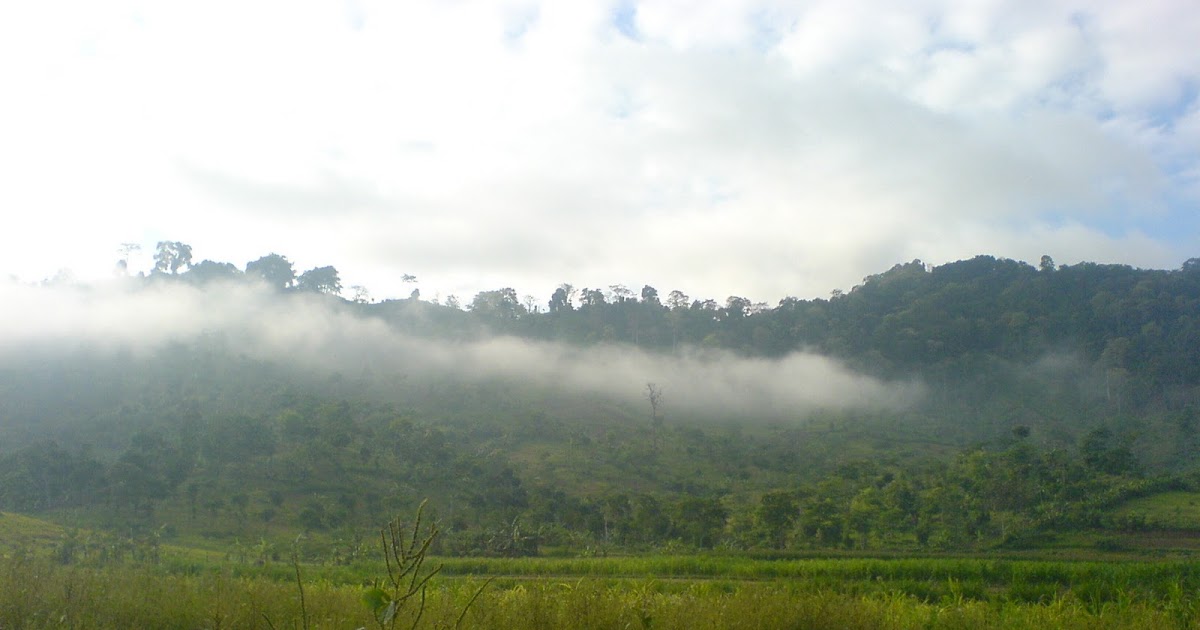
(323, 336)
(758, 148)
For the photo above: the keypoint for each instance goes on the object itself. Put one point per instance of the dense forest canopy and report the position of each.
(982, 400)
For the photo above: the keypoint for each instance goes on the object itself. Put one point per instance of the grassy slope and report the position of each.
(18, 531)
(1167, 522)
(1173, 510)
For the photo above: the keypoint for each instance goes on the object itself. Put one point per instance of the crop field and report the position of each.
(184, 591)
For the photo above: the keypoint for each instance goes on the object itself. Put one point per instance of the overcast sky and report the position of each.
(753, 148)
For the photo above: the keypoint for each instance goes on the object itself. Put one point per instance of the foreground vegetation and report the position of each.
(46, 581)
(37, 592)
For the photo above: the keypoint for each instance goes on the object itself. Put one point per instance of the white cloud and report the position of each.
(318, 336)
(757, 148)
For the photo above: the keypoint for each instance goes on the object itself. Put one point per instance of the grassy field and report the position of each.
(184, 587)
(1174, 510)
(20, 531)
(39, 593)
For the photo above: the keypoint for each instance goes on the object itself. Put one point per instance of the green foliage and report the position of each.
(43, 476)
(320, 280)
(207, 271)
(1175, 510)
(171, 256)
(275, 270)
(500, 305)
(404, 554)
(1051, 392)
(680, 592)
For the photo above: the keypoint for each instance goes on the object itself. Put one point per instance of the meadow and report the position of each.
(188, 590)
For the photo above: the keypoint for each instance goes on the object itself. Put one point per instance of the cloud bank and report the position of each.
(324, 337)
(749, 147)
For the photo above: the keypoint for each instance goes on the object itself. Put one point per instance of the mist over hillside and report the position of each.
(325, 335)
(926, 407)
(554, 226)
(959, 332)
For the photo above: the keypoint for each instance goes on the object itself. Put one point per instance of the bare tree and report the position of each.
(621, 293)
(570, 292)
(361, 294)
(126, 251)
(654, 394)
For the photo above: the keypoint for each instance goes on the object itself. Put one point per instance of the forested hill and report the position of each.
(972, 331)
(1018, 398)
(945, 323)
(911, 318)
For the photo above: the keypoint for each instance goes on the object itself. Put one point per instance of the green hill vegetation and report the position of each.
(938, 447)
(1174, 510)
(983, 404)
(18, 531)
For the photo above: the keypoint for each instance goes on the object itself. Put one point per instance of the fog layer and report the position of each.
(326, 335)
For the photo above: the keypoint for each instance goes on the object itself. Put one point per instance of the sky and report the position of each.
(760, 149)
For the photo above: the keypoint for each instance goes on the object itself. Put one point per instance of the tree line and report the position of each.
(1139, 325)
(321, 466)
(173, 259)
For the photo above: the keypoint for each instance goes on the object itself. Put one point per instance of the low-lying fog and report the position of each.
(320, 333)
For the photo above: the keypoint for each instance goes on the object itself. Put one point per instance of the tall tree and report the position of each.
(654, 394)
(777, 513)
(126, 251)
(621, 293)
(560, 300)
(361, 294)
(274, 269)
(320, 280)
(593, 297)
(171, 256)
(499, 304)
(650, 296)
(207, 271)
(736, 307)
(677, 300)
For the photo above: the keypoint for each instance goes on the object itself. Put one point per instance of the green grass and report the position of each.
(1174, 510)
(927, 579)
(38, 593)
(188, 587)
(18, 531)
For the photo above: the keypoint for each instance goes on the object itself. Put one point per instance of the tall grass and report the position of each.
(928, 578)
(36, 592)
